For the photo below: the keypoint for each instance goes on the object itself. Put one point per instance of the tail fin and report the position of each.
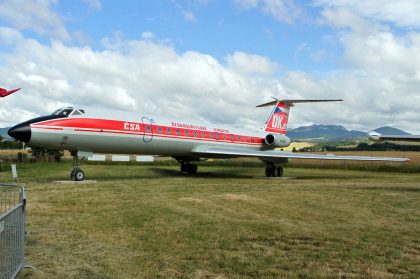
(277, 122)
(4, 92)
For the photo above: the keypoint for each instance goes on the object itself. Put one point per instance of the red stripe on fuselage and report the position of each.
(84, 123)
(133, 128)
(53, 128)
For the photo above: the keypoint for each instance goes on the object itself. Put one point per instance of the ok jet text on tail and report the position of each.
(88, 131)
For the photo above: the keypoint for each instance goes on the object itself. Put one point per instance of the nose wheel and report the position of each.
(272, 171)
(76, 174)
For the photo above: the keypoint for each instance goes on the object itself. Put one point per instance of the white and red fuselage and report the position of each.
(120, 132)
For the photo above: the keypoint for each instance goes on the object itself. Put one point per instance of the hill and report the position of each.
(324, 133)
(3, 132)
(328, 133)
(386, 130)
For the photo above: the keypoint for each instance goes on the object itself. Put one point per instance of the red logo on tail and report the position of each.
(277, 122)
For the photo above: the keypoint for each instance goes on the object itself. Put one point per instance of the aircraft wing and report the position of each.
(379, 137)
(220, 152)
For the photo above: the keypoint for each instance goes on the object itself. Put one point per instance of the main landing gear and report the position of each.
(272, 171)
(76, 174)
(187, 167)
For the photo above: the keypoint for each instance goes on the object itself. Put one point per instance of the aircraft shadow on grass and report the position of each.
(158, 173)
(210, 175)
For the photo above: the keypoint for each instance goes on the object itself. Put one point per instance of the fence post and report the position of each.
(14, 173)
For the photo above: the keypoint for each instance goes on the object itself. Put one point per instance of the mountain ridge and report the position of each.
(318, 132)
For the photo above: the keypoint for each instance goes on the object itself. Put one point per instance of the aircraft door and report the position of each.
(148, 129)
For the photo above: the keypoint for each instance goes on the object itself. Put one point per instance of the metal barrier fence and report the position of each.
(12, 229)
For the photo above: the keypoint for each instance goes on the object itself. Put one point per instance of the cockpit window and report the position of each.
(78, 112)
(68, 111)
(65, 112)
(56, 112)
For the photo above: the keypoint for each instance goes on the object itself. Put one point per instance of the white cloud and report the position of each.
(147, 35)
(403, 13)
(250, 64)
(35, 15)
(9, 36)
(138, 75)
(380, 76)
(189, 16)
(347, 19)
(282, 10)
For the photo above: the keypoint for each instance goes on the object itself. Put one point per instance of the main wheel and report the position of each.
(184, 168)
(270, 171)
(192, 169)
(279, 171)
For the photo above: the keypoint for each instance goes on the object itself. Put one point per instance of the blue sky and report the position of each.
(214, 27)
(214, 60)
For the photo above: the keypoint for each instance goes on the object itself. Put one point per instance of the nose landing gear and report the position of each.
(76, 174)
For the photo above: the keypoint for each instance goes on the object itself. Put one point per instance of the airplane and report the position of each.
(375, 136)
(5, 92)
(84, 131)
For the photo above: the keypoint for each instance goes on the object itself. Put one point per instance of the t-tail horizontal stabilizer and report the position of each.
(277, 122)
(292, 102)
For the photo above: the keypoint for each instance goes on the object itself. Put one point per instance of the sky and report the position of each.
(214, 60)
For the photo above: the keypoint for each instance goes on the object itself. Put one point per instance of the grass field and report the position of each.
(152, 222)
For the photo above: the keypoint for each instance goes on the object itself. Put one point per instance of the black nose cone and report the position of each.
(21, 132)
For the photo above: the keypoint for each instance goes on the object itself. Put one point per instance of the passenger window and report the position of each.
(159, 129)
(148, 128)
(168, 130)
(178, 132)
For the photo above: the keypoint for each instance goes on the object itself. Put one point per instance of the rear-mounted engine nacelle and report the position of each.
(275, 140)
